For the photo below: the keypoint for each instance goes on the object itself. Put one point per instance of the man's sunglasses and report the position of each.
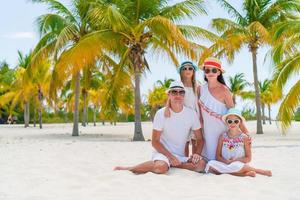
(177, 92)
(188, 68)
(230, 121)
(213, 70)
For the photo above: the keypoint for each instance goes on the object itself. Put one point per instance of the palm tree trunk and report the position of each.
(84, 109)
(269, 108)
(138, 133)
(34, 116)
(26, 114)
(263, 113)
(259, 129)
(40, 97)
(94, 119)
(75, 131)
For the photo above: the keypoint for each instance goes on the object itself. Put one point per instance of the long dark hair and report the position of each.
(220, 79)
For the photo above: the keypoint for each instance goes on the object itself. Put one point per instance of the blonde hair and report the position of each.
(194, 83)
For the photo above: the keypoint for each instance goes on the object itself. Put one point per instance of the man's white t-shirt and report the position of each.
(176, 129)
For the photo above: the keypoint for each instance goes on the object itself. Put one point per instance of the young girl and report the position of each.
(234, 150)
(187, 71)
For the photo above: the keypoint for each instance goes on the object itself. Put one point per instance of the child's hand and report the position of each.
(231, 160)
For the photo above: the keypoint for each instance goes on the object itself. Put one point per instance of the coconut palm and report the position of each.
(7, 76)
(63, 38)
(237, 86)
(156, 99)
(287, 59)
(253, 28)
(40, 79)
(142, 26)
(20, 92)
(23, 86)
(265, 94)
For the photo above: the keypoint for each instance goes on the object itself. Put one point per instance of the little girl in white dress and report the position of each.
(234, 150)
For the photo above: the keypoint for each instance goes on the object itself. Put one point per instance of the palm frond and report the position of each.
(233, 12)
(288, 107)
(184, 9)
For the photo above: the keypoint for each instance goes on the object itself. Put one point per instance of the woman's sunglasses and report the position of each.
(177, 92)
(188, 68)
(213, 70)
(230, 121)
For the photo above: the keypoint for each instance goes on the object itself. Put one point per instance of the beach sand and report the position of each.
(50, 164)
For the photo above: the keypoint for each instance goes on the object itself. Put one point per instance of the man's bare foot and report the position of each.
(251, 173)
(200, 166)
(267, 173)
(121, 168)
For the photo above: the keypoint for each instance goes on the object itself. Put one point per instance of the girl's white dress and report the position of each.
(231, 148)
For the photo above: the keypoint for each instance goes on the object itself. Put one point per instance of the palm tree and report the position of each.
(40, 78)
(23, 63)
(7, 77)
(156, 99)
(265, 94)
(63, 39)
(237, 85)
(253, 28)
(143, 25)
(20, 92)
(287, 59)
(165, 83)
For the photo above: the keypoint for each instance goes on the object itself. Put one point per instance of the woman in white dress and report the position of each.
(215, 100)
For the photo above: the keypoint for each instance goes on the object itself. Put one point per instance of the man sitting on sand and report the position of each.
(169, 136)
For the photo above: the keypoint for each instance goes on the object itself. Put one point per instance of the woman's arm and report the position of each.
(228, 98)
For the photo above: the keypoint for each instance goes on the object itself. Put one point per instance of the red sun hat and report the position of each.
(213, 62)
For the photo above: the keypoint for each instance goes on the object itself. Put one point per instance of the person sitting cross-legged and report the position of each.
(169, 137)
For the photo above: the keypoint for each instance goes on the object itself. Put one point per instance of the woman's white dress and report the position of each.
(211, 110)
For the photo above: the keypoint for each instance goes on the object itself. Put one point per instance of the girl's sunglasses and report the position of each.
(230, 121)
(213, 70)
(177, 92)
(188, 68)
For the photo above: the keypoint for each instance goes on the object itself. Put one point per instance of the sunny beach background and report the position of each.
(99, 69)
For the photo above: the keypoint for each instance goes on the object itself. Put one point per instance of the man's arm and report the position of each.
(161, 149)
(199, 146)
(199, 141)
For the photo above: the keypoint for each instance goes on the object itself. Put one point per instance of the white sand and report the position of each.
(50, 164)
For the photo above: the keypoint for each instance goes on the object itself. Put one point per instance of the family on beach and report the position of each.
(205, 117)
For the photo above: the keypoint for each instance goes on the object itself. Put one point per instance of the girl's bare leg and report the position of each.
(251, 171)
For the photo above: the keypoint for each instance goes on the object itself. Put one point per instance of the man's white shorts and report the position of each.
(159, 156)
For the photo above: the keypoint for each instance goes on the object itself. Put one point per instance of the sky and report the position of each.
(18, 32)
